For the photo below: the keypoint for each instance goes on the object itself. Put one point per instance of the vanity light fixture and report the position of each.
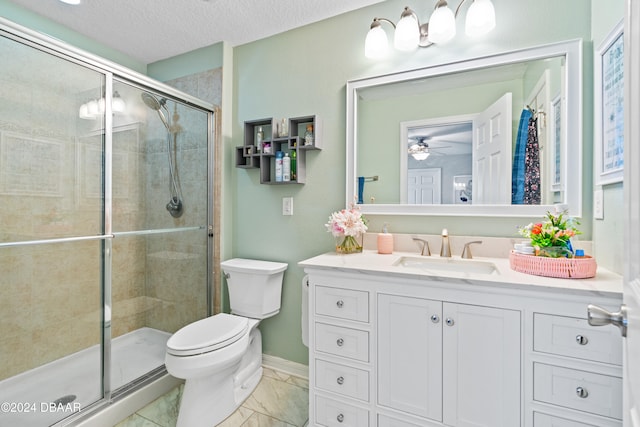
(73, 2)
(409, 33)
(91, 110)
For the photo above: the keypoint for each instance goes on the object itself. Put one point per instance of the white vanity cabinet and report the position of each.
(453, 363)
(393, 349)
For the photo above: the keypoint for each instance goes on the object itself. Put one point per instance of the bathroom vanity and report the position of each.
(401, 340)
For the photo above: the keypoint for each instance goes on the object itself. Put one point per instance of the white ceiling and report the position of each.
(151, 30)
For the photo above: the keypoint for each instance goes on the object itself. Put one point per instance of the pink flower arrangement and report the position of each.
(347, 222)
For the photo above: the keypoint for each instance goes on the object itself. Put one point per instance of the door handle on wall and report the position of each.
(598, 316)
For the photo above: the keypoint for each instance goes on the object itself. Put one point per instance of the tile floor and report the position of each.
(279, 400)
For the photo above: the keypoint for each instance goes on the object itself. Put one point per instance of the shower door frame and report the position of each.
(111, 70)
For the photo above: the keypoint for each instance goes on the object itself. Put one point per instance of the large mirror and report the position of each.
(497, 135)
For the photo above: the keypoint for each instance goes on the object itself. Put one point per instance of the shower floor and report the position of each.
(43, 396)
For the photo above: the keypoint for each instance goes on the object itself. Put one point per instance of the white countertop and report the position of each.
(369, 261)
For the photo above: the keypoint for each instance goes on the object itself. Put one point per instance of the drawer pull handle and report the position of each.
(582, 392)
(435, 318)
(340, 303)
(340, 418)
(582, 340)
(340, 380)
(449, 321)
(340, 342)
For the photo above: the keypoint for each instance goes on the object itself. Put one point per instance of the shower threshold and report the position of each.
(44, 395)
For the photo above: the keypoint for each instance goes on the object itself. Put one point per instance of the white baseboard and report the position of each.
(287, 366)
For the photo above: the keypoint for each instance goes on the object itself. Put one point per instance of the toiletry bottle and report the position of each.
(279, 157)
(579, 253)
(259, 139)
(308, 136)
(294, 171)
(286, 167)
(385, 241)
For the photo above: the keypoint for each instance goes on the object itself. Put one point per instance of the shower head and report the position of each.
(152, 102)
(156, 105)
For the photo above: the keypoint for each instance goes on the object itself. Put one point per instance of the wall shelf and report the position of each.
(262, 156)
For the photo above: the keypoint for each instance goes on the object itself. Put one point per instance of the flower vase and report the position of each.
(349, 244)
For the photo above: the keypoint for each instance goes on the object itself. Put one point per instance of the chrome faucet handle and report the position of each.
(466, 252)
(424, 247)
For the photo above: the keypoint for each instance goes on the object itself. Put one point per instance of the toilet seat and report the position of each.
(206, 335)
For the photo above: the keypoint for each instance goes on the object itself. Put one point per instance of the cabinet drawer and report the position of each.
(573, 337)
(342, 379)
(385, 421)
(333, 413)
(579, 390)
(545, 420)
(342, 303)
(345, 342)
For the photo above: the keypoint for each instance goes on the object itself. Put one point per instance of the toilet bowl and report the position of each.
(220, 357)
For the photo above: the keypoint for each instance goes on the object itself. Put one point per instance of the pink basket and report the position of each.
(566, 268)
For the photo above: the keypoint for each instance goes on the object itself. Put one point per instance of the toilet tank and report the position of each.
(255, 287)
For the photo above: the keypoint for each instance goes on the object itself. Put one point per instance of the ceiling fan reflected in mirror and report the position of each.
(420, 149)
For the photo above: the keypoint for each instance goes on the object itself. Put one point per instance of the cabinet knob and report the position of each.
(340, 342)
(340, 380)
(340, 303)
(582, 340)
(582, 392)
(449, 321)
(340, 418)
(435, 318)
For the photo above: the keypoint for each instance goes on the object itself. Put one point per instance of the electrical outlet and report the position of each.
(287, 206)
(598, 204)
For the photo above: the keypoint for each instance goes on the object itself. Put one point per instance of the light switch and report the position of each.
(287, 206)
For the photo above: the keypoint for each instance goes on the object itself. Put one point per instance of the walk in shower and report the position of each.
(105, 224)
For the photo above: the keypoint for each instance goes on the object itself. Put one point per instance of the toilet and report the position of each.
(220, 357)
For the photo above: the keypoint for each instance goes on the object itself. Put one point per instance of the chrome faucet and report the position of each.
(466, 252)
(424, 246)
(445, 249)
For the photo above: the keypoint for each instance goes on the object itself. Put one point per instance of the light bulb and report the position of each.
(376, 45)
(421, 155)
(407, 34)
(93, 109)
(442, 25)
(481, 18)
(117, 103)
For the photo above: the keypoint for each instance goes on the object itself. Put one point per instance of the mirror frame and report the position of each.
(571, 174)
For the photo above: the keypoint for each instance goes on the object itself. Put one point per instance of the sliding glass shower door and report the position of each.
(160, 217)
(104, 218)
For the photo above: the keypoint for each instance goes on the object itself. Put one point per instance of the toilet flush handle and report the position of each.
(227, 275)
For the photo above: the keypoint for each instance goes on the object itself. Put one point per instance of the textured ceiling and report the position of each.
(151, 30)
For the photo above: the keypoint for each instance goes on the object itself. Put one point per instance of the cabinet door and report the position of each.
(410, 355)
(481, 366)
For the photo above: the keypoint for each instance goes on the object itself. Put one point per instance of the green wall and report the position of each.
(195, 61)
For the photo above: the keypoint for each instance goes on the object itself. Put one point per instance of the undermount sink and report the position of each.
(447, 264)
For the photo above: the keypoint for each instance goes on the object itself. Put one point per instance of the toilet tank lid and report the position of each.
(253, 266)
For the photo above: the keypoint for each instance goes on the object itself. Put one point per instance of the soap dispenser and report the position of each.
(385, 241)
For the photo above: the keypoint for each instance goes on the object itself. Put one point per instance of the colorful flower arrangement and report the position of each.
(347, 226)
(552, 237)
